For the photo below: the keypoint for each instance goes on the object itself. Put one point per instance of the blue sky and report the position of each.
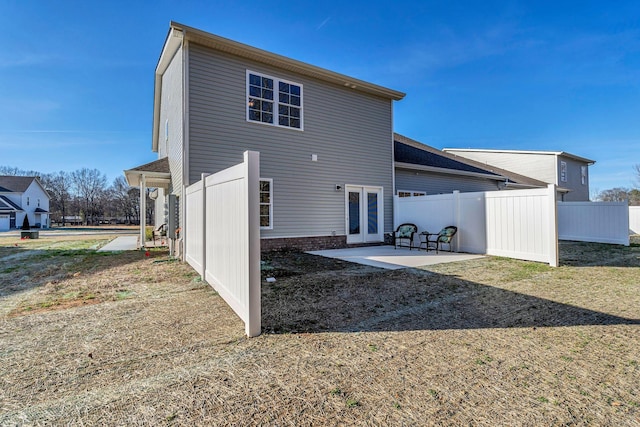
(76, 77)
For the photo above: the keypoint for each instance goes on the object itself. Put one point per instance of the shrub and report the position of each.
(25, 223)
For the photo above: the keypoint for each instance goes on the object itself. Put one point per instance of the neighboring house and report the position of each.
(568, 171)
(325, 139)
(20, 196)
(422, 170)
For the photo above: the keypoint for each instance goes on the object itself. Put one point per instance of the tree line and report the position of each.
(85, 196)
(620, 194)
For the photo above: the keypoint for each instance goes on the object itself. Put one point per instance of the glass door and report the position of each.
(364, 208)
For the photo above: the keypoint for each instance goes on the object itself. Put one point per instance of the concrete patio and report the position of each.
(393, 259)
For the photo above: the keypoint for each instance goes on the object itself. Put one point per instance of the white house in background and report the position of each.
(20, 196)
(568, 171)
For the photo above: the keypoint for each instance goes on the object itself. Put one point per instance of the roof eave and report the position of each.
(273, 59)
(413, 166)
(152, 179)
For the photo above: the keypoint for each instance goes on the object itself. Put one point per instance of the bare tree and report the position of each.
(13, 171)
(125, 198)
(617, 194)
(58, 185)
(90, 185)
(636, 168)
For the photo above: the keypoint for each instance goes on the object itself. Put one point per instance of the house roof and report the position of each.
(405, 153)
(178, 33)
(6, 205)
(40, 210)
(15, 184)
(160, 165)
(156, 174)
(547, 153)
(412, 154)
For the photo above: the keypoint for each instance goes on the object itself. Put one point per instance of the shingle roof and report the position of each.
(15, 184)
(160, 165)
(405, 153)
(437, 157)
(8, 205)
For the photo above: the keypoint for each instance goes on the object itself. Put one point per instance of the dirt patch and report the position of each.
(484, 342)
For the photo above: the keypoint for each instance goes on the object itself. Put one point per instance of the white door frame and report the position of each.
(364, 236)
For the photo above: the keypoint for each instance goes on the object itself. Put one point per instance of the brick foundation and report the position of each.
(313, 243)
(304, 243)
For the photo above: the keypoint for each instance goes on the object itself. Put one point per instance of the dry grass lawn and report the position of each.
(124, 339)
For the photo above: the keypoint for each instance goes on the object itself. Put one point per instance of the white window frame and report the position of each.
(276, 101)
(563, 171)
(583, 175)
(270, 181)
(410, 193)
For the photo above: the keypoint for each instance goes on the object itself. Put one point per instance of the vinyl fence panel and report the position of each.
(634, 219)
(522, 224)
(229, 227)
(194, 242)
(602, 222)
(518, 224)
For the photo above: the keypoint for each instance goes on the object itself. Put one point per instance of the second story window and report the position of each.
(563, 171)
(274, 101)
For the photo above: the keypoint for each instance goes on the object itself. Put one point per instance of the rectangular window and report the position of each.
(27, 201)
(563, 171)
(583, 175)
(406, 193)
(266, 204)
(274, 101)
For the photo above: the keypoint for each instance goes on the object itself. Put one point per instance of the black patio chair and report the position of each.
(404, 233)
(445, 236)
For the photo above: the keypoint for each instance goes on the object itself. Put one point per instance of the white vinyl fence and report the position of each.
(222, 237)
(634, 219)
(603, 222)
(517, 223)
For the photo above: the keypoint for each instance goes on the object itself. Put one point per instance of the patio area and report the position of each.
(394, 259)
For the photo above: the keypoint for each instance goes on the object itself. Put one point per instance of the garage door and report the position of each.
(4, 222)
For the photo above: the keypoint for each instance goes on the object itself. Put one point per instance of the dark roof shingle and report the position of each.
(160, 165)
(15, 184)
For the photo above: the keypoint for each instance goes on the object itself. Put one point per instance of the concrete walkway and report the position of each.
(393, 259)
(121, 243)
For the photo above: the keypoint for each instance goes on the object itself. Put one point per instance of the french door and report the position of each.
(364, 214)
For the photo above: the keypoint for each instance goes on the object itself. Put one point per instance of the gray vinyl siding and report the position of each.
(436, 183)
(350, 132)
(171, 109)
(544, 167)
(579, 192)
(538, 166)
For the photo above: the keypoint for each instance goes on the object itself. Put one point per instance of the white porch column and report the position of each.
(143, 210)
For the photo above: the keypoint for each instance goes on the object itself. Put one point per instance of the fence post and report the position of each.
(396, 211)
(204, 224)
(456, 217)
(253, 325)
(553, 226)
